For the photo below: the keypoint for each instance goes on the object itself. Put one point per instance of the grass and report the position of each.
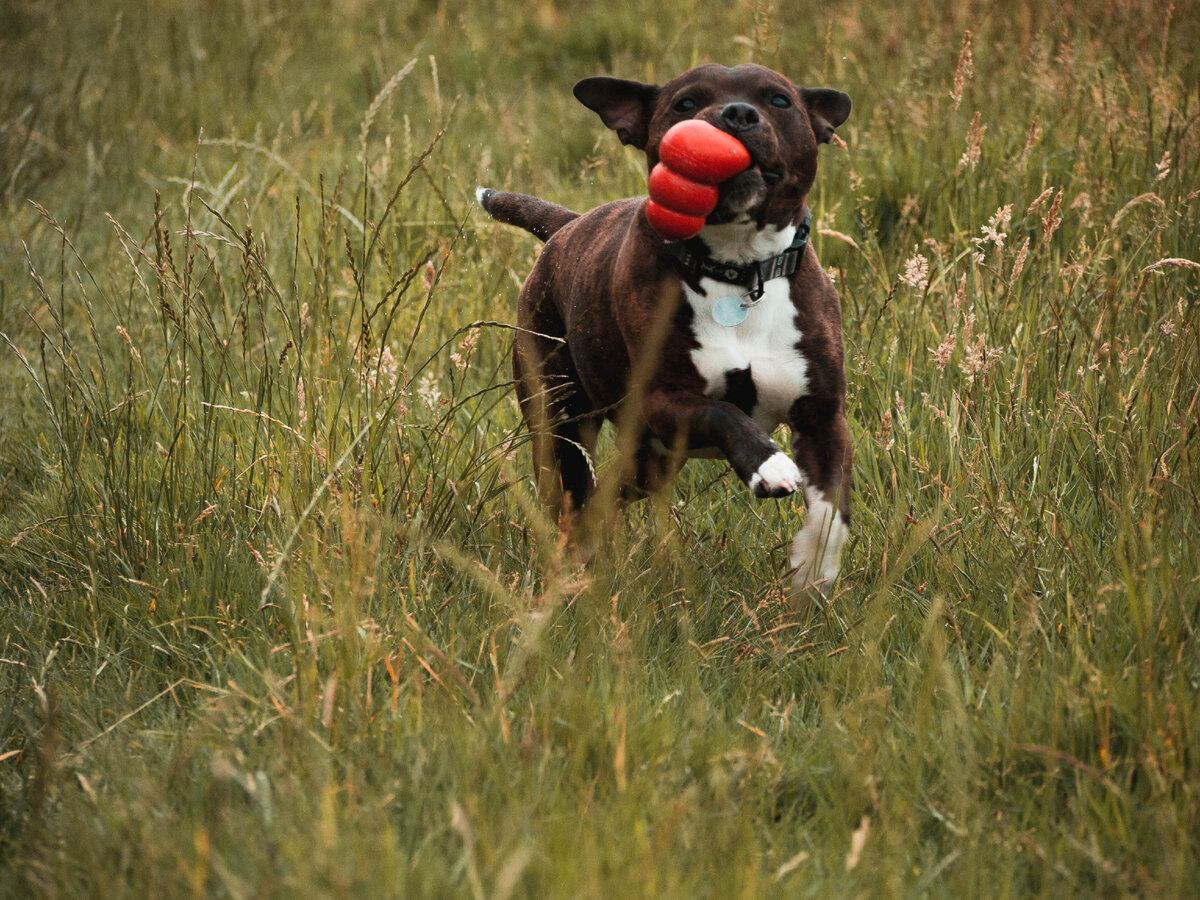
(279, 614)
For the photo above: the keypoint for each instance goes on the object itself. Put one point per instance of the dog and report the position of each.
(616, 323)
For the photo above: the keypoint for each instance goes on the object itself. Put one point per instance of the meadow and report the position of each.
(280, 614)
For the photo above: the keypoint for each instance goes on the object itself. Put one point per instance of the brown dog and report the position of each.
(609, 298)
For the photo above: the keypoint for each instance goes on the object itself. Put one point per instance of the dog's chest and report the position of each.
(757, 364)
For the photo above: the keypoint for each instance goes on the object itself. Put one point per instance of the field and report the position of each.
(280, 614)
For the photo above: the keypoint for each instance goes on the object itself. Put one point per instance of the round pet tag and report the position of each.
(729, 311)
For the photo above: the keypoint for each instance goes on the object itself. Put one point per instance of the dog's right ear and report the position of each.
(624, 106)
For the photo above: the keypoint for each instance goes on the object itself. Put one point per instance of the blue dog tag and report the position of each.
(730, 311)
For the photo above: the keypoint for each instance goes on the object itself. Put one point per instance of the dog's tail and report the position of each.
(538, 217)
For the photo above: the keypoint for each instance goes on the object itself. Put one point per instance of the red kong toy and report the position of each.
(694, 158)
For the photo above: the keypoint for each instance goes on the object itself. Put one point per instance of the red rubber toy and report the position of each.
(694, 158)
(682, 194)
(703, 152)
(671, 225)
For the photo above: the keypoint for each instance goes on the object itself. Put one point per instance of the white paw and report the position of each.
(817, 549)
(776, 477)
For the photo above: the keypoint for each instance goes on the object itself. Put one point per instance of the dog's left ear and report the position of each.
(827, 109)
(624, 106)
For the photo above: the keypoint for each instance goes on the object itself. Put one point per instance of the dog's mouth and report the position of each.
(745, 193)
(765, 158)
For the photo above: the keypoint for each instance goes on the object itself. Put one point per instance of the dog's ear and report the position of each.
(827, 109)
(624, 106)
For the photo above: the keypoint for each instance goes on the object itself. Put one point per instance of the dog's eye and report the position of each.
(686, 105)
(782, 101)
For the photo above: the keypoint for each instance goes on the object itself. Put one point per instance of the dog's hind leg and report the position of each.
(651, 470)
(562, 424)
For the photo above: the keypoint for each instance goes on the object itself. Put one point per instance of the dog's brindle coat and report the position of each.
(607, 298)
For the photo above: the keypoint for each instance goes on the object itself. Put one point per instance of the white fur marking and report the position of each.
(765, 343)
(817, 548)
(778, 473)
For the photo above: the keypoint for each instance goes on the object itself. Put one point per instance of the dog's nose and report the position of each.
(739, 117)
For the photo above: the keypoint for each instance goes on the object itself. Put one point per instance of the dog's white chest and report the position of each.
(765, 345)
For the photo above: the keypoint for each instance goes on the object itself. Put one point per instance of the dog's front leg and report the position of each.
(822, 447)
(706, 423)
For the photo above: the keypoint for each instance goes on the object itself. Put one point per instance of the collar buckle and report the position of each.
(759, 287)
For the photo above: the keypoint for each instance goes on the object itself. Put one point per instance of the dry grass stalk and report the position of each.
(965, 69)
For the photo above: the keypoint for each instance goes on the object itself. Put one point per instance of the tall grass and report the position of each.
(279, 614)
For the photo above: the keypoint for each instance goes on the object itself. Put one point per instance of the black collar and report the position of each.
(692, 255)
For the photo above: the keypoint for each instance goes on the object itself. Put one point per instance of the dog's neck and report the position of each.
(744, 242)
(744, 264)
(749, 239)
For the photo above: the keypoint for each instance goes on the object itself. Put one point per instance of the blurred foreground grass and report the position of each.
(279, 615)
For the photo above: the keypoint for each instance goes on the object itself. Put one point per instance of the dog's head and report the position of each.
(779, 123)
